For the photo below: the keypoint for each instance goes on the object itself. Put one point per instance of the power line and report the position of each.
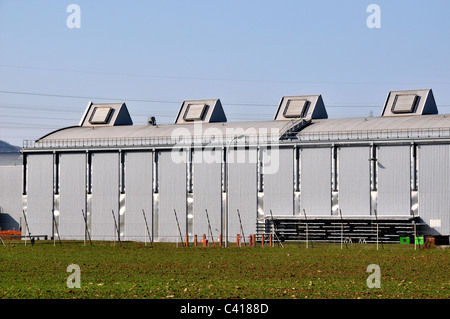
(164, 101)
(212, 79)
(86, 97)
(16, 125)
(37, 117)
(116, 99)
(37, 108)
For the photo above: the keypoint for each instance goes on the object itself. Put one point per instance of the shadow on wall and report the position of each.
(8, 223)
(426, 229)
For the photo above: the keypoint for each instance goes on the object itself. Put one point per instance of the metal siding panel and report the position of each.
(434, 185)
(11, 196)
(315, 181)
(172, 190)
(139, 193)
(279, 183)
(394, 180)
(242, 192)
(72, 190)
(40, 194)
(105, 195)
(354, 180)
(207, 189)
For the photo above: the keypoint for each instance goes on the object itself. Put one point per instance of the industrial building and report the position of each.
(300, 174)
(10, 190)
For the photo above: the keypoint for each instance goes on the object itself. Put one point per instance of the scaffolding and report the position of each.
(337, 230)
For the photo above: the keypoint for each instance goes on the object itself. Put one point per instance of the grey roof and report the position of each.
(166, 134)
(380, 123)
(365, 128)
(372, 128)
(385, 123)
(166, 130)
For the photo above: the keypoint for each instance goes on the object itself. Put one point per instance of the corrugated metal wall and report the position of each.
(207, 189)
(40, 194)
(105, 195)
(394, 180)
(354, 180)
(434, 186)
(139, 194)
(11, 196)
(72, 192)
(278, 181)
(172, 195)
(315, 181)
(242, 191)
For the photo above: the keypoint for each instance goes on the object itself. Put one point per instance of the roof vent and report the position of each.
(301, 107)
(101, 115)
(207, 111)
(410, 102)
(106, 114)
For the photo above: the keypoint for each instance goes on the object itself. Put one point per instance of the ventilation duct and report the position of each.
(106, 114)
(305, 107)
(410, 102)
(207, 111)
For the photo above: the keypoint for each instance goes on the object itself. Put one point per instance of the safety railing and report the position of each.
(426, 133)
(375, 134)
(150, 141)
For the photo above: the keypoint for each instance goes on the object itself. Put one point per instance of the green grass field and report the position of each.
(165, 271)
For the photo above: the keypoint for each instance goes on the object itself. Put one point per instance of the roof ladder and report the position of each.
(292, 127)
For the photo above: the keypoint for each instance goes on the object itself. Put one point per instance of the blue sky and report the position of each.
(155, 54)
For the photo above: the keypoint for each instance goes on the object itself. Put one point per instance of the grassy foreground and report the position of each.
(165, 271)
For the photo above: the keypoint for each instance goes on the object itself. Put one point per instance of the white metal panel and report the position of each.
(72, 195)
(105, 196)
(10, 196)
(404, 103)
(354, 180)
(278, 181)
(172, 196)
(315, 181)
(139, 194)
(207, 189)
(295, 108)
(243, 194)
(194, 112)
(40, 194)
(394, 180)
(434, 186)
(100, 115)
